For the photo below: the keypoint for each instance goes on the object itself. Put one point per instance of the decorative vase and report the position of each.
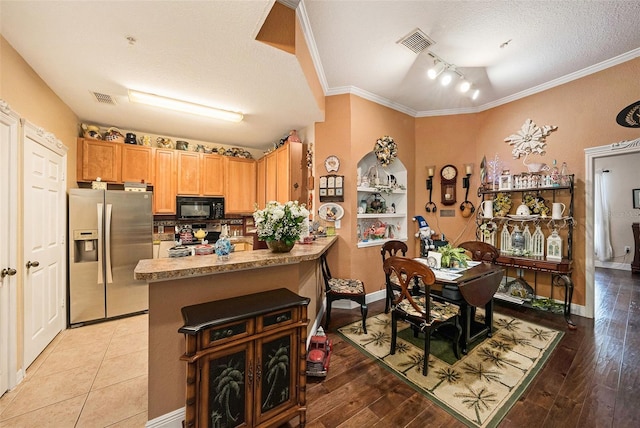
(280, 246)
(223, 247)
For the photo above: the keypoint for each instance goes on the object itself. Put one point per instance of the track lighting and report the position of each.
(475, 94)
(438, 67)
(464, 86)
(446, 78)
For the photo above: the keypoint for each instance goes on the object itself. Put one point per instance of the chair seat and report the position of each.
(346, 286)
(440, 311)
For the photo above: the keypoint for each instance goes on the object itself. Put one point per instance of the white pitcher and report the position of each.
(487, 208)
(557, 210)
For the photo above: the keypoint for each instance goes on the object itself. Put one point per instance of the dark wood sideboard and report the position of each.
(246, 360)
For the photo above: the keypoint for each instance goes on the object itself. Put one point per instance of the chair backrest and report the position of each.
(391, 248)
(408, 271)
(326, 273)
(481, 251)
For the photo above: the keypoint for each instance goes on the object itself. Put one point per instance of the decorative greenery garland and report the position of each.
(386, 150)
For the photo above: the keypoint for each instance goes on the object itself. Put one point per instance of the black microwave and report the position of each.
(199, 208)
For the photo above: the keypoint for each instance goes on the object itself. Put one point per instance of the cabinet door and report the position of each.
(261, 182)
(225, 388)
(271, 171)
(213, 179)
(164, 189)
(188, 173)
(137, 164)
(297, 168)
(283, 181)
(98, 158)
(276, 382)
(240, 194)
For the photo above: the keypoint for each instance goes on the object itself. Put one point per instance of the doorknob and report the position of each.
(34, 264)
(7, 271)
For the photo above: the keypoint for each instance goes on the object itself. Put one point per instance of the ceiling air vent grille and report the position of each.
(417, 41)
(104, 98)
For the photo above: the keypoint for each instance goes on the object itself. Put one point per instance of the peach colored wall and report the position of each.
(29, 96)
(350, 130)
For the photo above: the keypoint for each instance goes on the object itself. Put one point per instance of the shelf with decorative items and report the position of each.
(382, 200)
(535, 234)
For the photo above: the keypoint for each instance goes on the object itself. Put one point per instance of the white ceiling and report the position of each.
(206, 52)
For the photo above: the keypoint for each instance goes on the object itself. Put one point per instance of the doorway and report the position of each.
(591, 154)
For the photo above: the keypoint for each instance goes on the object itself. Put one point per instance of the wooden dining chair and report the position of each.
(390, 249)
(343, 288)
(481, 251)
(421, 312)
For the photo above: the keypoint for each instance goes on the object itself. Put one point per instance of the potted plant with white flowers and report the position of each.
(280, 225)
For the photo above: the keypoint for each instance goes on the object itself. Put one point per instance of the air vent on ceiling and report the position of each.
(104, 98)
(417, 41)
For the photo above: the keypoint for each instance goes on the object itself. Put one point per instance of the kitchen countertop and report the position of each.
(163, 269)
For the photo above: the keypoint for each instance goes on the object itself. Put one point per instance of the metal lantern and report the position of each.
(554, 246)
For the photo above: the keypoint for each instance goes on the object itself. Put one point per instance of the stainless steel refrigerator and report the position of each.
(109, 232)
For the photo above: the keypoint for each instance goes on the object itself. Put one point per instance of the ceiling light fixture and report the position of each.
(446, 77)
(464, 86)
(475, 94)
(183, 106)
(438, 67)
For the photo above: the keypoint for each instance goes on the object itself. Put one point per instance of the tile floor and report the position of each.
(91, 376)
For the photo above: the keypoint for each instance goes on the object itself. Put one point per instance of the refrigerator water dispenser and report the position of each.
(85, 246)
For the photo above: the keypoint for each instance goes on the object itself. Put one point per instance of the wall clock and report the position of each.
(448, 180)
(332, 163)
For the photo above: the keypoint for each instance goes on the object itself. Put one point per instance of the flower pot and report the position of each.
(280, 246)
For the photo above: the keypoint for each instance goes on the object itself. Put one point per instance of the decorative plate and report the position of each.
(332, 163)
(330, 212)
(523, 217)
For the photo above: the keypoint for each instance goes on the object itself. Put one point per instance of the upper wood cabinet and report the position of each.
(212, 175)
(240, 190)
(165, 182)
(97, 158)
(188, 173)
(286, 173)
(137, 164)
(261, 191)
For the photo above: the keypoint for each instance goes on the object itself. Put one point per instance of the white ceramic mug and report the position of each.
(487, 209)
(557, 210)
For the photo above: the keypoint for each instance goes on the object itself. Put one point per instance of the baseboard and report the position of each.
(169, 420)
(613, 265)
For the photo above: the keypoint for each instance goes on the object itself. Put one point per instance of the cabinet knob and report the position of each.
(33, 264)
(7, 272)
(296, 185)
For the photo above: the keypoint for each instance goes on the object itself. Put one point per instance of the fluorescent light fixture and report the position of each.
(438, 67)
(183, 106)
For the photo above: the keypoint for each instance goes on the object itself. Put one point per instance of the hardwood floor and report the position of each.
(591, 380)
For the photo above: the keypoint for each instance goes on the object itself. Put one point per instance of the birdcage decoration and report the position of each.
(554, 246)
(537, 242)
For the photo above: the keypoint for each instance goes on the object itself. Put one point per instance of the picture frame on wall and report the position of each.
(636, 198)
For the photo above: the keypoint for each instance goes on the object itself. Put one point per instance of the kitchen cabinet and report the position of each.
(382, 202)
(213, 177)
(137, 164)
(261, 191)
(97, 158)
(254, 344)
(165, 182)
(188, 164)
(240, 191)
(500, 229)
(286, 173)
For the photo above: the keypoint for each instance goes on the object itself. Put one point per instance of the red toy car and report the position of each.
(318, 356)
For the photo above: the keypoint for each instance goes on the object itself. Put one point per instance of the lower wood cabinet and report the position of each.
(246, 360)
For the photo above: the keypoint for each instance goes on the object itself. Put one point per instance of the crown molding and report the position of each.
(303, 18)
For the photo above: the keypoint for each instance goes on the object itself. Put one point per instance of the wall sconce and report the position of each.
(468, 169)
(431, 171)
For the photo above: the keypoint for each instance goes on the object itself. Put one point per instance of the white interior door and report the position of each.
(44, 244)
(8, 234)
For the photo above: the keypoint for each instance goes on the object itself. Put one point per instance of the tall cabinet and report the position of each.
(286, 173)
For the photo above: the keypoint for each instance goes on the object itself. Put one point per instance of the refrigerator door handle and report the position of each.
(108, 244)
(100, 242)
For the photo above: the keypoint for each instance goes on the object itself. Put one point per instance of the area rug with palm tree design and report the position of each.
(480, 388)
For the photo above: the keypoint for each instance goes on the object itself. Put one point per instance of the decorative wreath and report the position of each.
(386, 150)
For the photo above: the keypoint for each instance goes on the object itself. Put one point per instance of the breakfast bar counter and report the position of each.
(183, 281)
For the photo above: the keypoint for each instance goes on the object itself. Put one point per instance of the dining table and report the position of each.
(469, 288)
